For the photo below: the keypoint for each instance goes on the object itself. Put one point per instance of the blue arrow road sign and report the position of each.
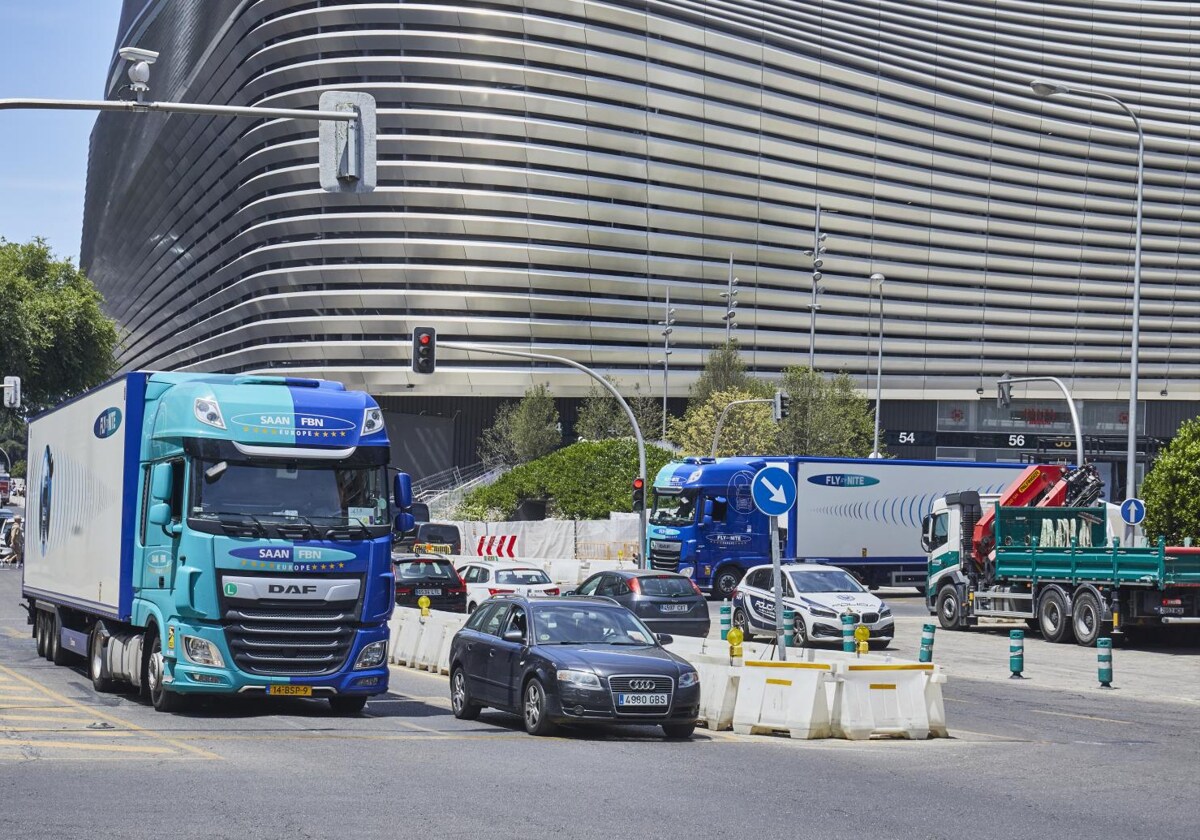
(1133, 511)
(773, 490)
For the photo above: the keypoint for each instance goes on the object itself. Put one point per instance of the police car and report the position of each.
(819, 595)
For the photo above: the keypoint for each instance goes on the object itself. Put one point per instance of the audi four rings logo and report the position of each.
(641, 685)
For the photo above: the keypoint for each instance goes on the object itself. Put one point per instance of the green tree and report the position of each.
(1172, 489)
(53, 333)
(724, 370)
(748, 429)
(523, 431)
(828, 416)
(586, 480)
(602, 418)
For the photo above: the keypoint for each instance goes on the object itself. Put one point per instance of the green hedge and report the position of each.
(586, 480)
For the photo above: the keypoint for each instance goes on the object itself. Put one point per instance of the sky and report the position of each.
(68, 45)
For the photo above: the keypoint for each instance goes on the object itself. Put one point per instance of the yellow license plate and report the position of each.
(291, 690)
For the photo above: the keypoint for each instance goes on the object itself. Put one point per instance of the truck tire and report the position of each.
(1052, 617)
(725, 581)
(39, 631)
(59, 655)
(1087, 618)
(949, 608)
(161, 697)
(348, 705)
(101, 683)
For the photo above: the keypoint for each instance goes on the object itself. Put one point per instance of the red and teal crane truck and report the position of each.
(1042, 551)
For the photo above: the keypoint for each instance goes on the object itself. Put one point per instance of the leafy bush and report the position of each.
(1172, 489)
(586, 480)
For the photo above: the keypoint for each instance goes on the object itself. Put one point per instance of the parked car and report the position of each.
(403, 543)
(570, 660)
(485, 578)
(665, 601)
(433, 577)
(819, 595)
(439, 533)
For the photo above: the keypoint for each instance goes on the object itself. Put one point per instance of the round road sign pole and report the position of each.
(773, 527)
(774, 492)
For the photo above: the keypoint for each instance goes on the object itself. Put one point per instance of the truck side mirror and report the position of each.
(405, 522)
(160, 484)
(160, 514)
(926, 535)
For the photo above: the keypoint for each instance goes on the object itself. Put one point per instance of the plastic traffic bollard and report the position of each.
(725, 610)
(789, 628)
(926, 654)
(1016, 653)
(1104, 662)
(848, 623)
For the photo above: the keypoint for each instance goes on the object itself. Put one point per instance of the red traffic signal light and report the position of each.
(639, 494)
(424, 349)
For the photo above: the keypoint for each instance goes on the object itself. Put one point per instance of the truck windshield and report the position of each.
(315, 498)
(673, 509)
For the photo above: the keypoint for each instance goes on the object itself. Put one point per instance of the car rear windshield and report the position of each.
(666, 585)
(425, 570)
(522, 577)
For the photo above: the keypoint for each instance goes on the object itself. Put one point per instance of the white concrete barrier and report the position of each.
(719, 684)
(409, 637)
(783, 696)
(883, 699)
(935, 705)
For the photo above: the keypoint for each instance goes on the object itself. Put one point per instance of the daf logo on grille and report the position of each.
(641, 685)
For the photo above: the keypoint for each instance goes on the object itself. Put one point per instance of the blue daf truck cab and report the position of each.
(861, 514)
(216, 534)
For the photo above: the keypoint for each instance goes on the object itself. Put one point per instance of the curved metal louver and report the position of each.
(548, 168)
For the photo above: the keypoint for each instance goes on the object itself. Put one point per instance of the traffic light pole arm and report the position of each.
(643, 560)
(175, 108)
(1079, 462)
(721, 420)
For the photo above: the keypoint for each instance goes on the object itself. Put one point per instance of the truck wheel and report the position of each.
(161, 697)
(1052, 617)
(725, 582)
(39, 630)
(100, 683)
(1087, 618)
(59, 655)
(949, 608)
(348, 705)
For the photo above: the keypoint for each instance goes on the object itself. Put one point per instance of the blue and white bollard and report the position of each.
(725, 613)
(1104, 661)
(1016, 654)
(927, 643)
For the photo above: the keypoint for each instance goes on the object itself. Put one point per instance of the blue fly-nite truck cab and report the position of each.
(215, 534)
(861, 514)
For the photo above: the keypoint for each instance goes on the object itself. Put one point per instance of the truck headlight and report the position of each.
(208, 412)
(688, 679)
(372, 421)
(372, 656)
(202, 652)
(579, 679)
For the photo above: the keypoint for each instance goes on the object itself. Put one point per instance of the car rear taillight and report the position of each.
(635, 586)
(552, 591)
(404, 590)
(502, 591)
(696, 587)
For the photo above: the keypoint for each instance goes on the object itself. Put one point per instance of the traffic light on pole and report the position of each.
(424, 350)
(783, 404)
(639, 494)
(1004, 392)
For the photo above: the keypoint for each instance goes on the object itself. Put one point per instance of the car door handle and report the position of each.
(492, 652)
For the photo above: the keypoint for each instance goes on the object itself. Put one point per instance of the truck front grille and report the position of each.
(298, 638)
(664, 555)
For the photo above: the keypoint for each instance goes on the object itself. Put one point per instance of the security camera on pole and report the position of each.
(774, 492)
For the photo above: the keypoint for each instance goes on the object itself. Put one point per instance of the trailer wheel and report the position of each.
(39, 631)
(1087, 618)
(59, 655)
(949, 608)
(100, 683)
(1052, 617)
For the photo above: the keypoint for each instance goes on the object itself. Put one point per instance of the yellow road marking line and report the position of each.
(342, 736)
(5, 718)
(17, 634)
(418, 727)
(1082, 717)
(110, 718)
(74, 730)
(35, 707)
(72, 745)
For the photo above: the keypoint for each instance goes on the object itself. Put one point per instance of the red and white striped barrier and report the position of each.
(497, 545)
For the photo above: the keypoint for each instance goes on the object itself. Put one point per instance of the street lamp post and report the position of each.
(816, 252)
(1046, 89)
(730, 295)
(875, 453)
(668, 325)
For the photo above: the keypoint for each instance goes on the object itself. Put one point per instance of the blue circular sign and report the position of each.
(1133, 511)
(774, 491)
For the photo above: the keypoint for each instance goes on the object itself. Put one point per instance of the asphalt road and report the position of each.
(1025, 762)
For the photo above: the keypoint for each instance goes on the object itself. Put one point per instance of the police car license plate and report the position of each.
(291, 690)
(675, 607)
(429, 592)
(642, 699)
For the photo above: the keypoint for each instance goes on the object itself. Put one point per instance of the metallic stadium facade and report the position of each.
(548, 169)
